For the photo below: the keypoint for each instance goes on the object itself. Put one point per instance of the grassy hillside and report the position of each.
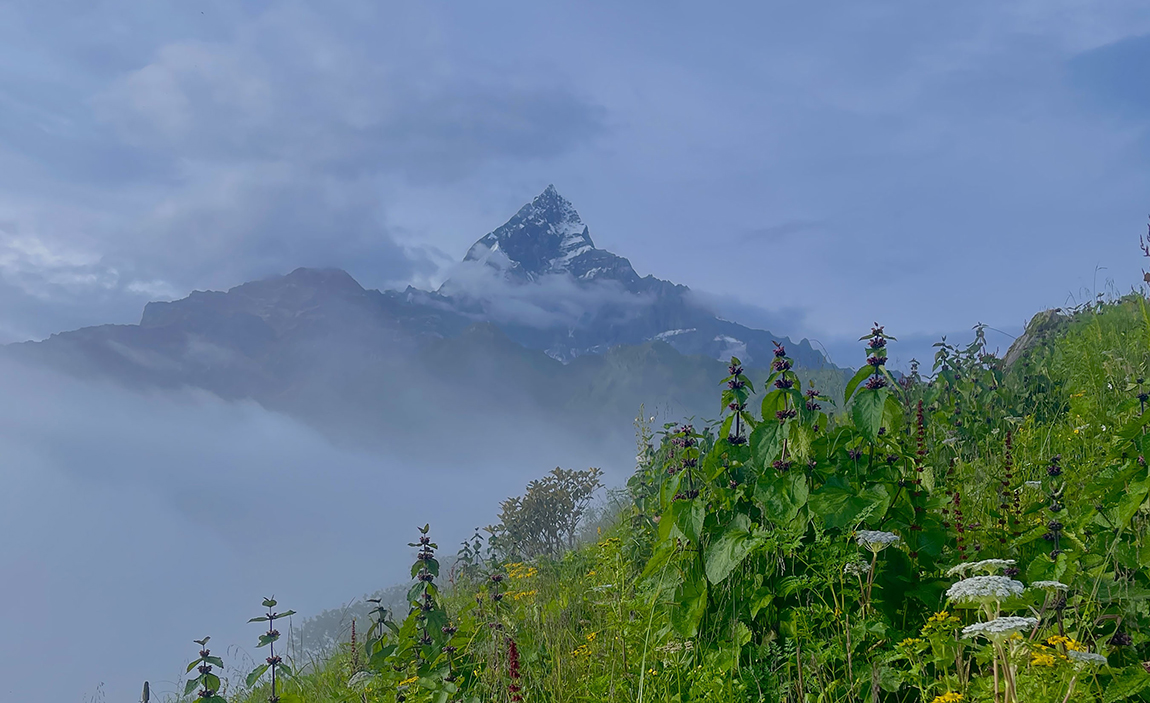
(978, 533)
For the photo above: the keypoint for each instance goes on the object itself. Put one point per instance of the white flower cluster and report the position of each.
(856, 568)
(1050, 586)
(1087, 658)
(988, 566)
(984, 588)
(875, 540)
(999, 628)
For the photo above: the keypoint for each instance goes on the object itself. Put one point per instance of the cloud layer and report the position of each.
(136, 523)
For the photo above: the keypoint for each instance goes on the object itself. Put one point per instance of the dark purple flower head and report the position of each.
(780, 350)
(876, 382)
(784, 383)
(734, 370)
(875, 361)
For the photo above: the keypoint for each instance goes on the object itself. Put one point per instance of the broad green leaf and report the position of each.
(767, 442)
(867, 411)
(730, 549)
(255, 675)
(782, 496)
(689, 515)
(840, 505)
(690, 606)
(859, 377)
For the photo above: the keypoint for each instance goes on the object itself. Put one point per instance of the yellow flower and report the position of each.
(948, 697)
(1041, 659)
(519, 595)
(408, 682)
(591, 636)
(910, 642)
(940, 616)
(1067, 642)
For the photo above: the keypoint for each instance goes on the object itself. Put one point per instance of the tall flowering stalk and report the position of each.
(274, 662)
(207, 682)
(734, 400)
(514, 687)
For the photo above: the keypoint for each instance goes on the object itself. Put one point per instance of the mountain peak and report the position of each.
(545, 236)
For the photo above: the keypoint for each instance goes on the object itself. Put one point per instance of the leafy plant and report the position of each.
(205, 684)
(274, 663)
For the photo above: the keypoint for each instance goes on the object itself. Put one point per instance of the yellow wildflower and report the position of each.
(949, 697)
(408, 682)
(519, 595)
(591, 636)
(910, 642)
(1067, 642)
(1041, 659)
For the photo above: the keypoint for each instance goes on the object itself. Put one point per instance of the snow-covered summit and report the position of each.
(547, 236)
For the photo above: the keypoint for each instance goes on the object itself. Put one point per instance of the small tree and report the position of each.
(545, 519)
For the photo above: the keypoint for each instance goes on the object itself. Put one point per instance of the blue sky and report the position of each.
(928, 166)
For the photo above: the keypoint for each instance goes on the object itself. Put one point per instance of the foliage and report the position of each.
(545, 519)
(978, 533)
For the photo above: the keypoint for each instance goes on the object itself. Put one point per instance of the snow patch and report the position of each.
(731, 347)
(671, 333)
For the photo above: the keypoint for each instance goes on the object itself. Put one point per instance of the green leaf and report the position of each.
(767, 442)
(691, 605)
(255, 675)
(867, 411)
(783, 496)
(688, 516)
(380, 657)
(269, 602)
(841, 505)
(858, 378)
(728, 551)
(191, 685)
(214, 661)
(259, 619)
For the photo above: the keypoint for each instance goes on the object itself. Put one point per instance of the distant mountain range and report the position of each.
(535, 319)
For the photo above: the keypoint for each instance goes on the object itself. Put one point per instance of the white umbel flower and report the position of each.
(983, 589)
(875, 540)
(988, 566)
(1050, 586)
(999, 628)
(856, 568)
(1087, 658)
